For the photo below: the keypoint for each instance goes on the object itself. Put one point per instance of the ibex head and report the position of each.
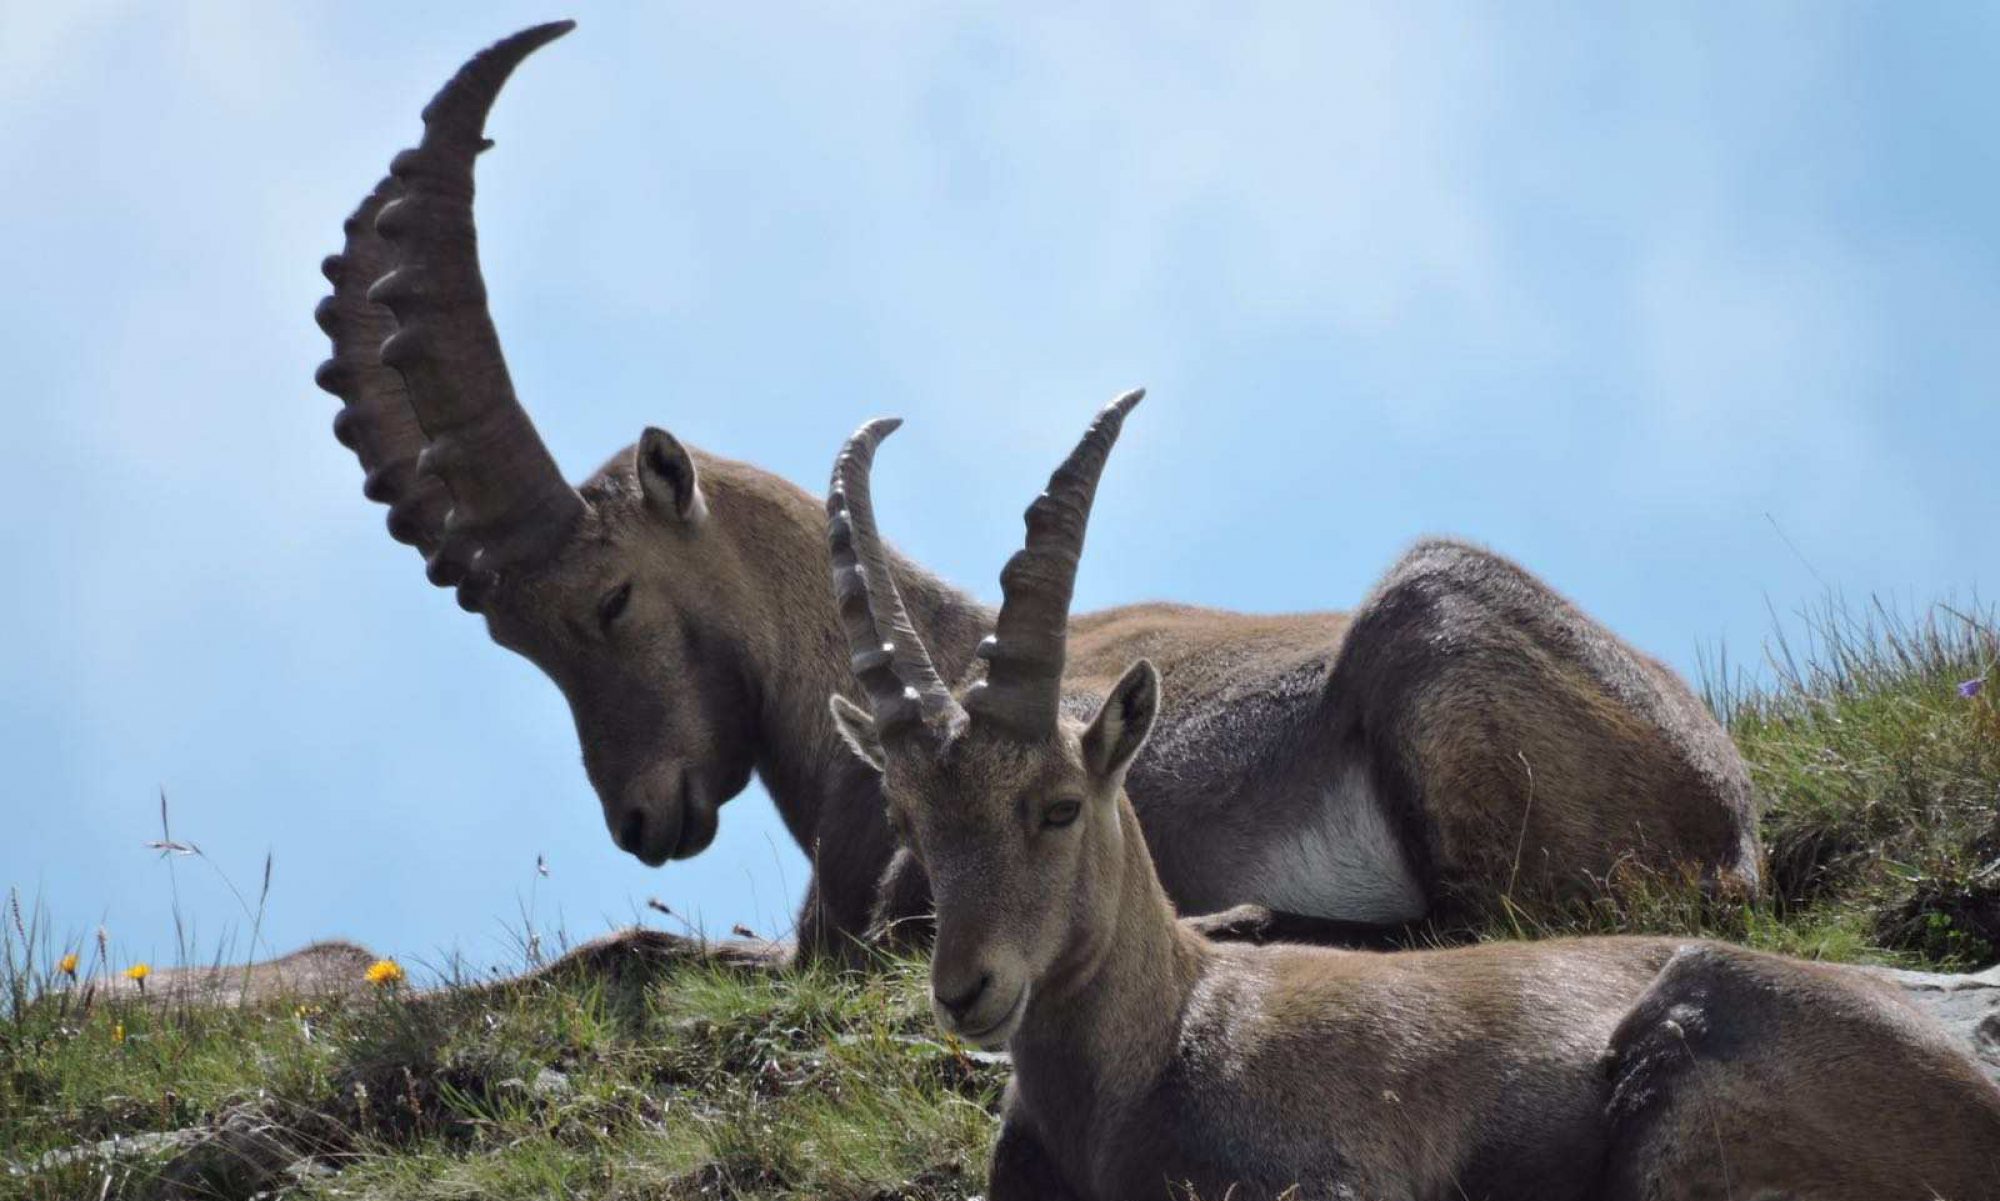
(1012, 807)
(611, 588)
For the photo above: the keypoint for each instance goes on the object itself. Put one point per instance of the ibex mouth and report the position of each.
(995, 1035)
(672, 818)
(698, 818)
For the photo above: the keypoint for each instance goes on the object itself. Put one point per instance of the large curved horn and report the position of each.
(1023, 686)
(375, 420)
(510, 503)
(888, 657)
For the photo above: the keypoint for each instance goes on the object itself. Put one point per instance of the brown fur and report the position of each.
(1718, 1066)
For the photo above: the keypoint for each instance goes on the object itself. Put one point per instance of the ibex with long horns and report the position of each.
(1150, 1062)
(1464, 732)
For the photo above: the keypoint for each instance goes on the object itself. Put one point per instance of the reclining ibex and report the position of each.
(1465, 730)
(1151, 1062)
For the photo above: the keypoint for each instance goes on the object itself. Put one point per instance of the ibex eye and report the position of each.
(613, 604)
(1060, 814)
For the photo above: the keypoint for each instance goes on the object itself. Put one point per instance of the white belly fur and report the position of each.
(1347, 864)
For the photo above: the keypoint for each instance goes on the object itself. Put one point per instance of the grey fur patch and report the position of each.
(1348, 864)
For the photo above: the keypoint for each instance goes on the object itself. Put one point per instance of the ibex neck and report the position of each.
(1097, 1037)
(801, 660)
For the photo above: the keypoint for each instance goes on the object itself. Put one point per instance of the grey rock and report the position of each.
(124, 1148)
(241, 1155)
(1966, 1005)
(548, 1084)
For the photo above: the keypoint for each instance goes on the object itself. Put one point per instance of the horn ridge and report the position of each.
(886, 654)
(375, 420)
(509, 501)
(1027, 650)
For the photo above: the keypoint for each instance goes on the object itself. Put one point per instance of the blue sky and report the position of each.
(1620, 293)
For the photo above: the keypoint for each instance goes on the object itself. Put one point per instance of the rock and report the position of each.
(548, 1085)
(335, 968)
(124, 1148)
(644, 952)
(319, 970)
(1966, 1005)
(240, 1156)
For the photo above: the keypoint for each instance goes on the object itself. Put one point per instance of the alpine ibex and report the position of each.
(1151, 1062)
(1465, 731)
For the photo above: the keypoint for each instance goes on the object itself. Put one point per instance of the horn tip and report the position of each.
(531, 39)
(534, 37)
(862, 443)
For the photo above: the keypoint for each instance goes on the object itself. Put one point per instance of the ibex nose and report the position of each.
(962, 1003)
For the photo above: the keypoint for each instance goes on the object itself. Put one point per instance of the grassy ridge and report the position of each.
(1882, 781)
(713, 1083)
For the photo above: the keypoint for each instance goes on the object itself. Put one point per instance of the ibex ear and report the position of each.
(1122, 723)
(857, 730)
(667, 475)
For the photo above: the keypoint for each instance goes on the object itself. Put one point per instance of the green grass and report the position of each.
(1882, 819)
(1885, 781)
(705, 1083)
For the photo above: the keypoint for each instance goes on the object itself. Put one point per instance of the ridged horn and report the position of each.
(375, 420)
(510, 503)
(888, 657)
(1023, 687)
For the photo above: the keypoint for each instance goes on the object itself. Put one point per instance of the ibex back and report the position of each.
(1465, 733)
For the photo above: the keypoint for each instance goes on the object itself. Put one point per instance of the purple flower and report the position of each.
(1972, 687)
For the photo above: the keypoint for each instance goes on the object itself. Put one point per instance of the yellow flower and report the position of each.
(384, 972)
(118, 1033)
(138, 972)
(67, 965)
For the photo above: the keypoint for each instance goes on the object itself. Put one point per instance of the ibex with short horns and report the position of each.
(1465, 733)
(1151, 1062)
